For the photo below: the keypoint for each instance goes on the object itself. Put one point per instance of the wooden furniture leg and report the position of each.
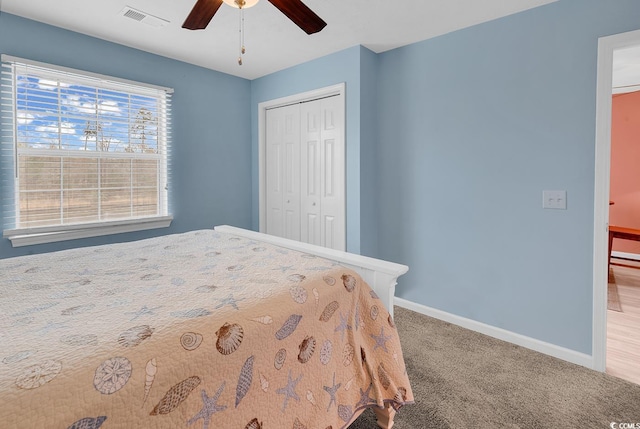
(623, 233)
(385, 416)
(609, 256)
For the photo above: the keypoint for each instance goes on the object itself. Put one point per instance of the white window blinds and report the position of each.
(80, 149)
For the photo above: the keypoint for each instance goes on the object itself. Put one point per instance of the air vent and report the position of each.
(137, 15)
(134, 14)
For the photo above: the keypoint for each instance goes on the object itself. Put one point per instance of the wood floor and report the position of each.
(623, 328)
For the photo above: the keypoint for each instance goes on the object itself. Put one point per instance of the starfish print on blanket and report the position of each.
(284, 268)
(144, 311)
(381, 340)
(343, 326)
(210, 407)
(332, 391)
(229, 300)
(51, 326)
(365, 399)
(289, 391)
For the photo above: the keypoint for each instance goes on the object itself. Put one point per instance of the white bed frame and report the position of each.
(380, 275)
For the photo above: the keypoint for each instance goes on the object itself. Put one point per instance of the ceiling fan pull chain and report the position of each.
(240, 36)
(242, 42)
(241, 31)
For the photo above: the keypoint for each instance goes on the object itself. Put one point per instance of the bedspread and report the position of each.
(201, 329)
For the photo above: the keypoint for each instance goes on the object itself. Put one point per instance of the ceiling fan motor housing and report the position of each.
(241, 4)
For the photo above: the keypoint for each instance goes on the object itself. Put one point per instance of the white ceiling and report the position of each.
(273, 42)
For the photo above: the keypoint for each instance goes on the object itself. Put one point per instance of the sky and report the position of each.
(53, 114)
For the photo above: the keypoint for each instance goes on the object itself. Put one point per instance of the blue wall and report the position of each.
(474, 125)
(369, 187)
(211, 156)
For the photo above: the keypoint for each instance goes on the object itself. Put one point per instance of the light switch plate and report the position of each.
(554, 200)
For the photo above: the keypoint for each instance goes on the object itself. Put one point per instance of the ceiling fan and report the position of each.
(295, 10)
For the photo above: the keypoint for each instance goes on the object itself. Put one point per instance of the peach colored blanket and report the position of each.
(195, 330)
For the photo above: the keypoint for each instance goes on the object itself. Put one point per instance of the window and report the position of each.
(88, 153)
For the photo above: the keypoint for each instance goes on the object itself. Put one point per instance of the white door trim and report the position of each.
(338, 90)
(606, 47)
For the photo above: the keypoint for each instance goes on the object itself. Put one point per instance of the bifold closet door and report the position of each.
(323, 173)
(305, 172)
(283, 172)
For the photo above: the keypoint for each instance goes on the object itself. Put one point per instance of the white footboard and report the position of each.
(380, 275)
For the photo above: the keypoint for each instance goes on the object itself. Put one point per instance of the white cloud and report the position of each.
(102, 108)
(24, 118)
(71, 100)
(88, 108)
(54, 128)
(42, 146)
(51, 84)
(109, 107)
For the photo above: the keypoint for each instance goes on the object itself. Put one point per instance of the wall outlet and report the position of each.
(554, 200)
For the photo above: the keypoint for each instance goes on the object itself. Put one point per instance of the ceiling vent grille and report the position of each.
(134, 14)
(137, 15)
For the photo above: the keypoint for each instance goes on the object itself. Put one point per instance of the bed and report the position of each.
(221, 328)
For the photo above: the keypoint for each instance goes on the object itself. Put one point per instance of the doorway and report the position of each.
(302, 167)
(607, 46)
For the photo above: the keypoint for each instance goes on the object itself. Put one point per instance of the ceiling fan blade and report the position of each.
(300, 14)
(201, 14)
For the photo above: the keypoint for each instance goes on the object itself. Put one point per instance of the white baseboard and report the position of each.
(501, 334)
(625, 255)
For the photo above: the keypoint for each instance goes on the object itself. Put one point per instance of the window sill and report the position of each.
(30, 236)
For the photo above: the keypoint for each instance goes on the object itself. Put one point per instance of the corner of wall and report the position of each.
(369, 189)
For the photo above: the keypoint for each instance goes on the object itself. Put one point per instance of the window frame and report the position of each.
(23, 236)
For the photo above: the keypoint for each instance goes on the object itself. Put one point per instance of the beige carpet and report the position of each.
(462, 379)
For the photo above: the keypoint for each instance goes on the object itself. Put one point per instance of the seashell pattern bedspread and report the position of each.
(196, 330)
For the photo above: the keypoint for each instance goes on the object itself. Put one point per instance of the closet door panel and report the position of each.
(274, 181)
(332, 167)
(291, 172)
(311, 186)
(283, 172)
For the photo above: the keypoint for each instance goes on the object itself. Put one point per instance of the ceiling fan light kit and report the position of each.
(295, 10)
(241, 4)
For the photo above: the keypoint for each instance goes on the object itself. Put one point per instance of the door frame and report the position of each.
(606, 47)
(333, 90)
